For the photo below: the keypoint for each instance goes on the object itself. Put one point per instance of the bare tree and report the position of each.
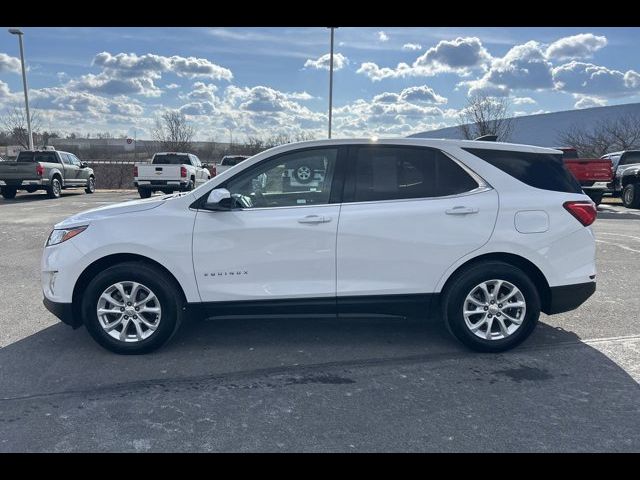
(173, 132)
(604, 136)
(485, 115)
(14, 121)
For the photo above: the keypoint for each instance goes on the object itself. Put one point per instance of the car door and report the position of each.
(70, 169)
(82, 174)
(408, 214)
(276, 243)
(627, 160)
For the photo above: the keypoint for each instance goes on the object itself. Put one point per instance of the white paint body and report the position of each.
(366, 248)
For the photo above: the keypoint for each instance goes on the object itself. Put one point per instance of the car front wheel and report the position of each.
(144, 192)
(91, 185)
(131, 308)
(491, 307)
(631, 196)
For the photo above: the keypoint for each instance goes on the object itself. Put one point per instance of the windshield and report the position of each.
(171, 159)
(37, 157)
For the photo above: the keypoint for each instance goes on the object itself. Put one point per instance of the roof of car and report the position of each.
(173, 153)
(427, 142)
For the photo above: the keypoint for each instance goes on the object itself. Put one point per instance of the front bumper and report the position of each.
(569, 297)
(64, 311)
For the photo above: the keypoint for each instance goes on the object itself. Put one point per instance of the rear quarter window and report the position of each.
(540, 170)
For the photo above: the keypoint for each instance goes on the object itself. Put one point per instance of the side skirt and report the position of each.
(418, 305)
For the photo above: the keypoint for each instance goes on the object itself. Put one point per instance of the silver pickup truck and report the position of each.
(48, 170)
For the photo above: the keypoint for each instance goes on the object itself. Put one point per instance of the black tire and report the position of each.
(463, 284)
(91, 185)
(596, 197)
(31, 189)
(9, 192)
(144, 192)
(303, 173)
(54, 190)
(631, 195)
(190, 186)
(170, 301)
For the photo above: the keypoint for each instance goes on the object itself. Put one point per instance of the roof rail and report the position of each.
(486, 138)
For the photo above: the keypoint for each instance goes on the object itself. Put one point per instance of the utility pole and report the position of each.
(19, 33)
(331, 80)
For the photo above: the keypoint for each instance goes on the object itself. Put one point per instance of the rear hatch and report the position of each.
(164, 167)
(13, 171)
(590, 169)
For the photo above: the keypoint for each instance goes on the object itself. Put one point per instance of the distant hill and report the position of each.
(543, 129)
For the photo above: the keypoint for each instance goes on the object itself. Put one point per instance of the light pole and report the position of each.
(331, 80)
(19, 33)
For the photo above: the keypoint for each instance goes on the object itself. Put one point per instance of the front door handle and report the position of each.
(461, 210)
(314, 219)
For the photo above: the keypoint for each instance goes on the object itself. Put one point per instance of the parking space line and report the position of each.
(618, 245)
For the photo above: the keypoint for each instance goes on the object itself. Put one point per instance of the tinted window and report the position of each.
(231, 161)
(389, 173)
(630, 158)
(289, 180)
(37, 157)
(539, 170)
(171, 159)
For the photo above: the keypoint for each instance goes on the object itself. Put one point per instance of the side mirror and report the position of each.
(205, 165)
(219, 199)
(83, 165)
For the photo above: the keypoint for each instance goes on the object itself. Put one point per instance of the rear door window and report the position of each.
(540, 170)
(379, 173)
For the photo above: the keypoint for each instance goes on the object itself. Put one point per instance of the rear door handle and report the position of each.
(314, 219)
(461, 210)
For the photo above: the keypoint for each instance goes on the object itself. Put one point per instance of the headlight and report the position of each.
(62, 235)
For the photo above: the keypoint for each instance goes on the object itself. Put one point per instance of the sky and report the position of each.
(240, 82)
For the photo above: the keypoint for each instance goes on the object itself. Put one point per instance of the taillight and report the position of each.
(214, 171)
(183, 171)
(39, 170)
(584, 212)
(135, 171)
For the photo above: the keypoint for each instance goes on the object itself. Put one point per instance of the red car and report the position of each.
(593, 173)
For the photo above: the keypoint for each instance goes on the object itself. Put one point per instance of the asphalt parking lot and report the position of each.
(317, 384)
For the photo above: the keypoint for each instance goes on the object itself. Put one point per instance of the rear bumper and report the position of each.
(23, 183)
(569, 297)
(64, 311)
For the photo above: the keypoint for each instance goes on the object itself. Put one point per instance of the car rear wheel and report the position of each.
(55, 188)
(631, 196)
(131, 308)
(91, 185)
(9, 192)
(144, 192)
(491, 307)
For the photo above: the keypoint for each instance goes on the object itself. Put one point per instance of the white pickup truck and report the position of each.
(168, 172)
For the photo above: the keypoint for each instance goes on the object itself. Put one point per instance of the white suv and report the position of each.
(484, 234)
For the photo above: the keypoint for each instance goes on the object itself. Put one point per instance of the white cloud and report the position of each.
(422, 94)
(382, 36)
(412, 46)
(132, 65)
(459, 56)
(590, 79)
(203, 92)
(523, 101)
(339, 62)
(524, 67)
(9, 64)
(582, 45)
(171, 86)
(584, 101)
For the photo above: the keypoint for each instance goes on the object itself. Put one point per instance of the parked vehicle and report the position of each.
(229, 161)
(169, 172)
(484, 235)
(49, 170)
(594, 174)
(621, 162)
